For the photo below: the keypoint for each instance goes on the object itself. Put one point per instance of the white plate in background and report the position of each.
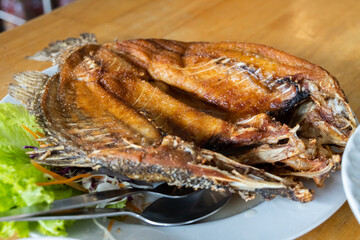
(350, 171)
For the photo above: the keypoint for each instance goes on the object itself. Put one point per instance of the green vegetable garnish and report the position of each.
(18, 176)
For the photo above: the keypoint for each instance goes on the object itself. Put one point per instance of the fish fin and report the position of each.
(59, 155)
(55, 49)
(26, 87)
(58, 160)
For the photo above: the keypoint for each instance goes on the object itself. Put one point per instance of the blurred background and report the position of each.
(16, 12)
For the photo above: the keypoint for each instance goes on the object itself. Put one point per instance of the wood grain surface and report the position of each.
(323, 32)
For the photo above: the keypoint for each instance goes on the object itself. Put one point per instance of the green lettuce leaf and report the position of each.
(120, 204)
(54, 227)
(19, 229)
(18, 177)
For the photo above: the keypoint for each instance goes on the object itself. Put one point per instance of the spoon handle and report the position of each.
(89, 213)
(79, 214)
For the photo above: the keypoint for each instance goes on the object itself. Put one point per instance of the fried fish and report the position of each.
(197, 114)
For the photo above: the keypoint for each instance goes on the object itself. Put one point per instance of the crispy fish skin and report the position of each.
(214, 72)
(124, 105)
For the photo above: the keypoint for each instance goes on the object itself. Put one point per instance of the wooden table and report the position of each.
(324, 32)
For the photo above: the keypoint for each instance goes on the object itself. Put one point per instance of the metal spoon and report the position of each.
(162, 212)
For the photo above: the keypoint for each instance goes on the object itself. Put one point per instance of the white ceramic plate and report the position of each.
(350, 172)
(276, 219)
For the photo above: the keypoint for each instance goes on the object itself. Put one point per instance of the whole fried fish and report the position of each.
(195, 114)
